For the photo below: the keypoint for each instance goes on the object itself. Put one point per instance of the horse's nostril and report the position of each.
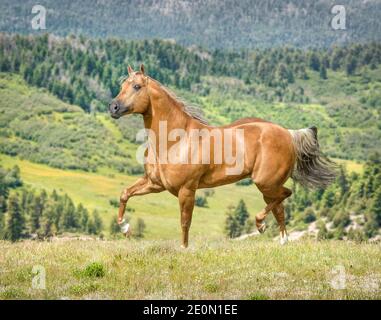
(114, 107)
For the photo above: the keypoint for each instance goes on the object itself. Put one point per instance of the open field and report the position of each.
(209, 269)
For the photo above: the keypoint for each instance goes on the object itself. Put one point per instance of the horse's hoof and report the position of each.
(262, 227)
(125, 228)
(184, 246)
(283, 239)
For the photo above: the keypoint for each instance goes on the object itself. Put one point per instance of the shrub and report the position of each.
(94, 270)
(201, 201)
(245, 182)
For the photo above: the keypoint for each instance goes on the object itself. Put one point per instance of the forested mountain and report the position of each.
(337, 89)
(87, 72)
(210, 23)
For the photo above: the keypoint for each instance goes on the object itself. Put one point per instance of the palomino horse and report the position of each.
(271, 153)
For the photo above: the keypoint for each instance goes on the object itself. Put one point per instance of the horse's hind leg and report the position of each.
(261, 216)
(278, 212)
(274, 198)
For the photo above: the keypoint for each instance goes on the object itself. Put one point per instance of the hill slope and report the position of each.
(211, 23)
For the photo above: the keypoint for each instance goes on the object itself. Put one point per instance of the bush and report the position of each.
(309, 215)
(94, 270)
(341, 219)
(245, 182)
(201, 201)
(114, 203)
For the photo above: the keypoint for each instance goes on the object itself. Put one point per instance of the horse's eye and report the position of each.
(137, 87)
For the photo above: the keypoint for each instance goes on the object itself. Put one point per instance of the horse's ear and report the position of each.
(130, 70)
(142, 68)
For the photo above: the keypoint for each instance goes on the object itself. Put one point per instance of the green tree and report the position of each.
(15, 224)
(314, 61)
(237, 220)
(323, 72)
(37, 209)
(95, 224)
(376, 207)
(69, 219)
(232, 227)
(350, 65)
(329, 197)
(241, 213)
(48, 227)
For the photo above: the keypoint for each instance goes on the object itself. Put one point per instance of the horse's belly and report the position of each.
(219, 176)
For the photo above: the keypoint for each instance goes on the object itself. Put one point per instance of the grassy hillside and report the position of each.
(219, 269)
(37, 126)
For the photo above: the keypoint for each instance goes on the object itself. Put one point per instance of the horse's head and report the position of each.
(133, 96)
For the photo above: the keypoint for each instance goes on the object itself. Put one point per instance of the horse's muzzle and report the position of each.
(116, 110)
(114, 107)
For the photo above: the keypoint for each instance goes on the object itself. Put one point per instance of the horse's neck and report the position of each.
(166, 110)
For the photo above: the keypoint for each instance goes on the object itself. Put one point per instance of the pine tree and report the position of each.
(241, 213)
(343, 182)
(15, 220)
(47, 223)
(376, 207)
(350, 65)
(97, 222)
(37, 208)
(314, 61)
(69, 220)
(323, 72)
(232, 227)
(83, 215)
(329, 197)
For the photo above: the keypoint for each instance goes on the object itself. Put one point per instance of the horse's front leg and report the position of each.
(186, 200)
(142, 186)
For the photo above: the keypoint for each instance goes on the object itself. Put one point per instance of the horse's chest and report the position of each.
(166, 176)
(153, 172)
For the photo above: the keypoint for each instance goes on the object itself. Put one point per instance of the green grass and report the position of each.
(209, 269)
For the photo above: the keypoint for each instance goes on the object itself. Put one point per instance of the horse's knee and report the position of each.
(124, 196)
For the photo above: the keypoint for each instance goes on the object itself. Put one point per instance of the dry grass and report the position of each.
(209, 269)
